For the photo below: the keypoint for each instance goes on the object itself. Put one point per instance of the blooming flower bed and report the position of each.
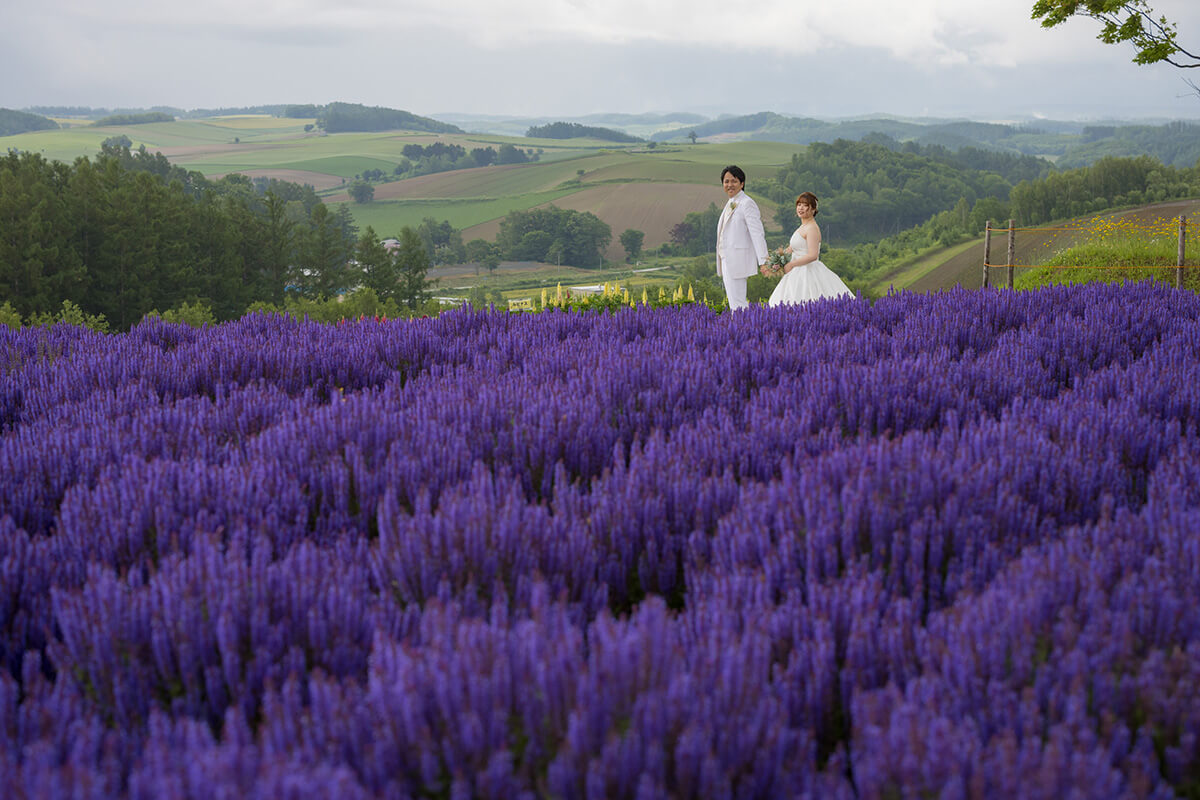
(936, 545)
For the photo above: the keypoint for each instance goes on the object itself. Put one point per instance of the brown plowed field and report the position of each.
(1032, 247)
(653, 208)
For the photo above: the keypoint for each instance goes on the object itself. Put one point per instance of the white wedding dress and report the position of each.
(812, 281)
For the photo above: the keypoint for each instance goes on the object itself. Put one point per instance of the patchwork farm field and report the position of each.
(494, 181)
(389, 216)
(652, 208)
(935, 545)
(676, 179)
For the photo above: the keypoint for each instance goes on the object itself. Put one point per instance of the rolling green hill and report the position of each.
(650, 189)
(12, 122)
(1075, 143)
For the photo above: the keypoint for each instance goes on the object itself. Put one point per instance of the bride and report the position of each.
(804, 276)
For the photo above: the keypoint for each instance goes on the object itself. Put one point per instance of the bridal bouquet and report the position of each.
(775, 261)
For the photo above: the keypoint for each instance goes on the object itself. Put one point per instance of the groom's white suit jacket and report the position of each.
(741, 246)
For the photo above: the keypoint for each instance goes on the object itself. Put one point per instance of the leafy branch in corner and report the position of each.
(1131, 21)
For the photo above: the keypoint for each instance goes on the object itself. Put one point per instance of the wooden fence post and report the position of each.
(1012, 251)
(987, 251)
(1182, 247)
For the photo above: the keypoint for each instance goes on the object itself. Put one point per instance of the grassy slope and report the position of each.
(928, 263)
(963, 264)
(68, 144)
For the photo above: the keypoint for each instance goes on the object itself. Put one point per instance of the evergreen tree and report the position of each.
(38, 265)
(412, 267)
(323, 257)
(128, 274)
(377, 265)
(278, 236)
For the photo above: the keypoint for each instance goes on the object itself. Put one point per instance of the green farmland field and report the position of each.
(576, 168)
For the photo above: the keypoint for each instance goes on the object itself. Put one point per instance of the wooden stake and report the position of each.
(1012, 252)
(1182, 247)
(987, 251)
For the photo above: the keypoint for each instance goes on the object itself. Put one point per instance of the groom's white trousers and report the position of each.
(735, 290)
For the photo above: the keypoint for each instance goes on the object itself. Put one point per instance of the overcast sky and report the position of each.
(821, 58)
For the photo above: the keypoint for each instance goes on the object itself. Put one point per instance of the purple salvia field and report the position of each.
(938, 545)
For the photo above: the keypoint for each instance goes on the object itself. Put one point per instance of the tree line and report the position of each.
(127, 233)
(573, 130)
(442, 156)
(135, 119)
(348, 117)
(419, 160)
(435, 156)
(14, 122)
(873, 189)
(1175, 143)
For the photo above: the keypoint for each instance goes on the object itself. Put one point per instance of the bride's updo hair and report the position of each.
(810, 198)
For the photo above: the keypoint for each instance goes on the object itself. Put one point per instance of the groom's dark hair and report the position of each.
(735, 172)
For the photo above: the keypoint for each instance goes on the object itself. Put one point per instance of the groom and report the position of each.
(741, 246)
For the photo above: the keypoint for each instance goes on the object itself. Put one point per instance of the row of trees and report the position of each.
(1110, 182)
(135, 119)
(429, 158)
(573, 130)
(441, 156)
(1175, 143)
(124, 234)
(437, 157)
(1011, 166)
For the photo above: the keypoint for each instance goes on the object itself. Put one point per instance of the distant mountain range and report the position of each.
(639, 125)
(1066, 143)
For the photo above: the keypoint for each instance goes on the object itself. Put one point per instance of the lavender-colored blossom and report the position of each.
(930, 545)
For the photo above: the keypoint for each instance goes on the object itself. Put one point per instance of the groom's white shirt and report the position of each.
(741, 245)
